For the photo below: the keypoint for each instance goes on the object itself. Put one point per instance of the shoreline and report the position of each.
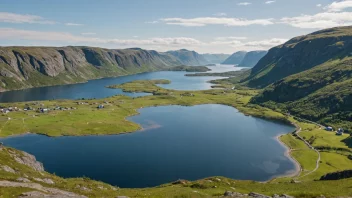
(287, 153)
(298, 167)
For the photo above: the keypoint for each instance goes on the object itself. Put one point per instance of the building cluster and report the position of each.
(6, 110)
(339, 131)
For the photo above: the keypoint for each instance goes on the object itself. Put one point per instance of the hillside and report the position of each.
(300, 54)
(323, 90)
(25, 67)
(215, 58)
(186, 57)
(252, 58)
(235, 58)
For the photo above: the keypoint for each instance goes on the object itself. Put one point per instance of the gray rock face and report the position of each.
(45, 191)
(21, 179)
(28, 160)
(36, 194)
(7, 169)
(253, 195)
(257, 195)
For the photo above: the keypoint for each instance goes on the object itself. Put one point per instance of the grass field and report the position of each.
(83, 117)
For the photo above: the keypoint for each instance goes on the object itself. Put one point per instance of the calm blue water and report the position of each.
(97, 88)
(176, 143)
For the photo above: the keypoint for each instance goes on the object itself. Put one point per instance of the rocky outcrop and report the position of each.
(252, 58)
(44, 191)
(27, 159)
(235, 58)
(253, 195)
(7, 169)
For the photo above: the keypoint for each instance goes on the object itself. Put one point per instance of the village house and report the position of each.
(329, 128)
(339, 131)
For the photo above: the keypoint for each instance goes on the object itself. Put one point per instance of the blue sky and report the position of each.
(214, 26)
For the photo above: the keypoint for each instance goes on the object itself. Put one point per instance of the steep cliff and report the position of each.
(235, 58)
(24, 67)
(252, 58)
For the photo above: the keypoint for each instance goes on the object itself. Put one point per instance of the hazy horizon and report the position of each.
(205, 26)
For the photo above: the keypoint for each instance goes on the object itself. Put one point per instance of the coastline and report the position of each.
(298, 167)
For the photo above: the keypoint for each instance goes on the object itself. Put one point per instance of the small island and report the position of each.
(189, 68)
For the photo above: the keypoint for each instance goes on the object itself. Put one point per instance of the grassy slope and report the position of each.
(301, 54)
(322, 94)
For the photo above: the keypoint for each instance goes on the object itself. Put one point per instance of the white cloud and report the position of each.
(266, 44)
(244, 3)
(73, 24)
(221, 14)
(339, 6)
(203, 21)
(320, 20)
(269, 2)
(230, 38)
(259, 44)
(16, 34)
(219, 44)
(88, 33)
(7, 17)
(319, 5)
(152, 22)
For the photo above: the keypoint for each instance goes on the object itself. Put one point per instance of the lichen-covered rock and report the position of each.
(8, 169)
(28, 160)
(21, 179)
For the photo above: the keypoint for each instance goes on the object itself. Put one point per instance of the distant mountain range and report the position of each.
(245, 59)
(215, 58)
(252, 58)
(190, 58)
(309, 76)
(235, 58)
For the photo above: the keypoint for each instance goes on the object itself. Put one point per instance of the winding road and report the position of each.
(299, 129)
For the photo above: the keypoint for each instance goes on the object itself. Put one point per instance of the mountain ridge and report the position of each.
(252, 58)
(235, 58)
(26, 67)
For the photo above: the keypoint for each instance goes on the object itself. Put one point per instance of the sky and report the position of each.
(206, 26)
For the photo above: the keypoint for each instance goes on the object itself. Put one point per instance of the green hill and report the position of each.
(300, 54)
(311, 78)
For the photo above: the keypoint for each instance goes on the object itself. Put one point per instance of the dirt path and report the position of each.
(299, 129)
